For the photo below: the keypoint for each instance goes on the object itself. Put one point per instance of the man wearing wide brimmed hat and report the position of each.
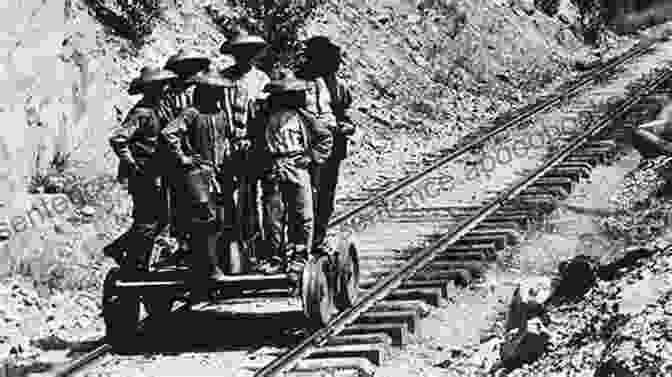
(290, 142)
(184, 64)
(136, 145)
(329, 98)
(198, 141)
(249, 82)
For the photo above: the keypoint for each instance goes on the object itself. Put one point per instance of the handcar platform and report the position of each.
(328, 283)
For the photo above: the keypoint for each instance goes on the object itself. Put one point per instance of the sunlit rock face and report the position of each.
(51, 95)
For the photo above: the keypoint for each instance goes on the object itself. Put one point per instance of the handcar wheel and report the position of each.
(347, 275)
(121, 310)
(318, 304)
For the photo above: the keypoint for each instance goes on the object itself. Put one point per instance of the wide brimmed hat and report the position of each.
(211, 78)
(243, 39)
(320, 45)
(149, 76)
(196, 62)
(287, 82)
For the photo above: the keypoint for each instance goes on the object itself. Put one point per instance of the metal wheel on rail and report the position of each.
(121, 310)
(347, 274)
(316, 293)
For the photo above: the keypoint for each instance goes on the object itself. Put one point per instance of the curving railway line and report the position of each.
(356, 337)
(562, 170)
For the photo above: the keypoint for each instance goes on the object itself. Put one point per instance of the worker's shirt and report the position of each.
(175, 101)
(248, 88)
(341, 100)
(137, 139)
(202, 137)
(285, 134)
(318, 102)
(292, 133)
(295, 131)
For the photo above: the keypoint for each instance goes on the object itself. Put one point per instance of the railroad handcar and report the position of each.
(329, 283)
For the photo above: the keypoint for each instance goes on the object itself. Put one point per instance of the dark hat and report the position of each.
(187, 59)
(320, 44)
(286, 82)
(211, 78)
(149, 75)
(242, 39)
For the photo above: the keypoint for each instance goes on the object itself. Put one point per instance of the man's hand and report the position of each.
(303, 161)
(242, 145)
(187, 162)
(346, 128)
(134, 168)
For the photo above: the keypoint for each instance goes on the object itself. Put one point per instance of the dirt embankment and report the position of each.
(424, 73)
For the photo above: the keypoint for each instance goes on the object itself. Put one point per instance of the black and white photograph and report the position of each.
(336, 188)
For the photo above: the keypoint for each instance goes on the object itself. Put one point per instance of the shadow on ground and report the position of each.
(212, 331)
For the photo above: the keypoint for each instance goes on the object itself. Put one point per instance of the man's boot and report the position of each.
(205, 265)
(137, 260)
(214, 259)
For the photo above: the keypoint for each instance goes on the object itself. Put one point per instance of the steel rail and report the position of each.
(83, 361)
(98, 352)
(583, 80)
(425, 256)
(409, 181)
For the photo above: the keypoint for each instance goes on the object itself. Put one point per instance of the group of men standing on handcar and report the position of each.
(200, 142)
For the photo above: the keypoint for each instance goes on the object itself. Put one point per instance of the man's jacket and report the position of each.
(175, 101)
(318, 102)
(341, 100)
(248, 88)
(287, 134)
(329, 104)
(136, 142)
(193, 137)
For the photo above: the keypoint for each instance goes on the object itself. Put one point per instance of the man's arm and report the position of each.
(137, 119)
(173, 132)
(344, 98)
(321, 140)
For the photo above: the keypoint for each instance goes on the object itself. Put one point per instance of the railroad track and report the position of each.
(485, 229)
(391, 322)
(439, 159)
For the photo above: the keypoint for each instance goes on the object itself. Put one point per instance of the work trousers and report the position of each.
(288, 201)
(148, 216)
(227, 217)
(248, 208)
(325, 180)
(204, 216)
